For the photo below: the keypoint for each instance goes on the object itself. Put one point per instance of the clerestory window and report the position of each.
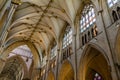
(67, 39)
(111, 2)
(87, 17)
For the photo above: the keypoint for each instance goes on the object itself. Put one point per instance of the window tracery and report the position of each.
(87, 17)
(66, 43)
(88, 28)
(67, 39)
(111, 2)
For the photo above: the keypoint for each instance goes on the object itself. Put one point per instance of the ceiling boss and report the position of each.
(17, 2)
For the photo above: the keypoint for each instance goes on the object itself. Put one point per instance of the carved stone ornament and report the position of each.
(17, 2)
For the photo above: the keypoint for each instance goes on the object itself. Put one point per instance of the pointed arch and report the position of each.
(118, 11)
(114, 15)
(66, 71)
(92, 59)
(34, 51)
(15, 67)
(50, 76)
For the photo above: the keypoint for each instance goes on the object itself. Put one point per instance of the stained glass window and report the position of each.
(67, 39)
(87, 17)
(97, 77)
(111, 2)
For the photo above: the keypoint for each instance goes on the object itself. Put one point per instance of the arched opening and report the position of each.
(50, 76)
(89, 37)
(27, 52)
(87, 22)
(94, 66)
(118, 11)
(67, 43)
(114, 15)
(83, 40)
(14, 69)
(66, 72)
(11, 47)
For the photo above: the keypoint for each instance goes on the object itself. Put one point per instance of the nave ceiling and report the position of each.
(42, 21)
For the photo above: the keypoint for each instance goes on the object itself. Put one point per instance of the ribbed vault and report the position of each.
(41, 22)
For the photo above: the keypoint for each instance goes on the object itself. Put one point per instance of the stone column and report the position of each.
(114, 72)
(75, 56)
(57, 63)
(47, 65)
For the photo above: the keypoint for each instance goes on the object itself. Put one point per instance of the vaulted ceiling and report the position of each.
(42, 21)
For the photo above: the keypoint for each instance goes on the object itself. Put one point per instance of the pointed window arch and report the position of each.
(87, 17)
(118, 11)
(88, 27)
(67, 39)
(114, 14)
(66, 43)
